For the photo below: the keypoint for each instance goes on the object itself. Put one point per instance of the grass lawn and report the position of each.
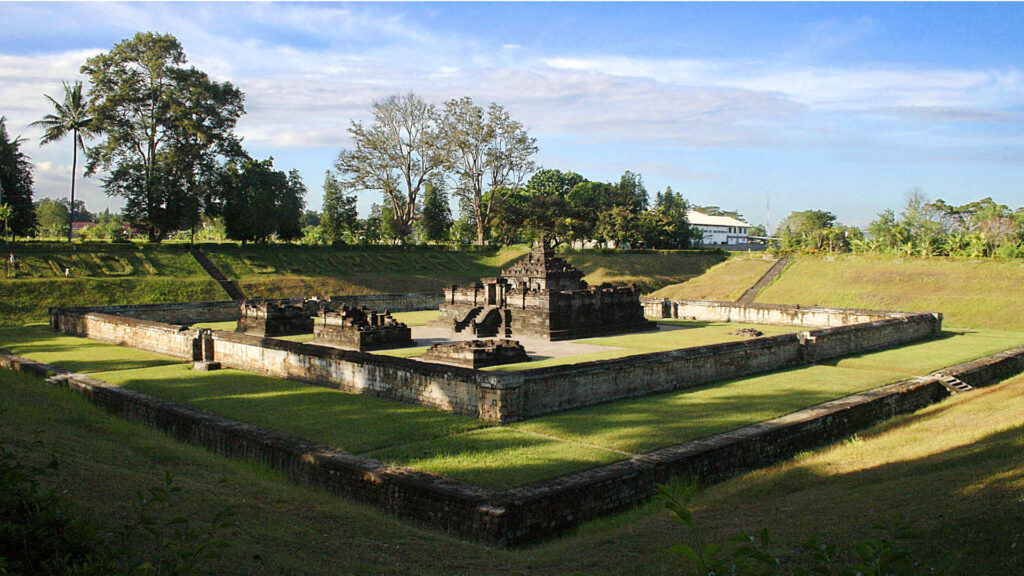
(648, 271)
(29, 300)
(726, 281)
(964, 454)
(518, 454)
(351, 422)
(37, 341)
(691, 333)
(969, 293)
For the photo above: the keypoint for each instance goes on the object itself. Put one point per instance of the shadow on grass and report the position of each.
(350, 422)
(645, 424)
(497, 458)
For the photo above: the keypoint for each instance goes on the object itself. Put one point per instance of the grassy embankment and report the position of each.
(140, 274)
(725, 282)
(969, 293)
(954, 471)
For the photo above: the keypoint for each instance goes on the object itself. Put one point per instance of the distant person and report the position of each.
(67, 272)
(10, 259)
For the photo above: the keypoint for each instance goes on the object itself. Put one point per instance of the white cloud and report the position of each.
(309, 70)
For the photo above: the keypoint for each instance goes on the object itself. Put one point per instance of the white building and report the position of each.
(719, 229)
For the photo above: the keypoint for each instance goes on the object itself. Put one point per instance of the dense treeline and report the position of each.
(978, 229)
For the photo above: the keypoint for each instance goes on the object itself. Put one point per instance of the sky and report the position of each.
(841, 107)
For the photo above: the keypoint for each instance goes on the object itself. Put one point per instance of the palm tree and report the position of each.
(70, 117)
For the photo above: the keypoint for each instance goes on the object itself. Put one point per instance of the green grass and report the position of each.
(648, 271)
(692, 334)
(417, 318)
(437, 442)
(75, 354)
(726, 281)
(964, 454)
(47, 260)
(351, 422)
(644, 424)
(25, 301)
(969, 293)
(499, 458)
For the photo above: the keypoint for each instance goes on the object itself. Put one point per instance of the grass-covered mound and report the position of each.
(24, 301)
(103, 273)
(726, 281)
(970, 293)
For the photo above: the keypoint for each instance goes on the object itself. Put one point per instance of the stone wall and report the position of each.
(447, 388)
(558, 388)
(184, 313)
(522, 515)
(187, 313)
(393, 302)
(496, 396)
(777, 314)
(169, 339)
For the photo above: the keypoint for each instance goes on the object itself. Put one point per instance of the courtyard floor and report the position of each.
(503, 456)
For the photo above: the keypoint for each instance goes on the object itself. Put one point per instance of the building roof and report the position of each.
(702, 219)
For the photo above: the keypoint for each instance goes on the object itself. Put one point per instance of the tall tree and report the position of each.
(16, 184)
(340, 217)
(259, 202)
(491, 153)
(69, 117)
(163, 125)
(436, 219)
(395, 155)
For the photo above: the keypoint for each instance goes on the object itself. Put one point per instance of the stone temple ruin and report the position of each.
(269, 319)
(477, 353)
(542, 297)
(359, 328)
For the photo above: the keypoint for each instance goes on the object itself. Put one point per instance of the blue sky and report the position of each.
(833, 106)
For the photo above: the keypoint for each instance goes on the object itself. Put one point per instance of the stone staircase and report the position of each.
(953, 384)
(460, 325)
(765, 280)
(229, 286)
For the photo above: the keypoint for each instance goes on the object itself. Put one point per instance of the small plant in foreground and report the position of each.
(40, 534)
(885, 555)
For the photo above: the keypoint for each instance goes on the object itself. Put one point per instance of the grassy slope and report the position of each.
(963, 453)
(970, 293)
(726, 281)
(131, 273)
(648, 271)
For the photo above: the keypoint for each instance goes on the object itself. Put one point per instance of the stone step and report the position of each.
(953, 384)
(229, 286)
(771, 274)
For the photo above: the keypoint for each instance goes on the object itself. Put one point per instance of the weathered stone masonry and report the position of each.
(520, 515)
(507, 397)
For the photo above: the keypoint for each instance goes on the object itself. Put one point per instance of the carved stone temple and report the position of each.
(544, 297)
(269, 319)
(359, 328)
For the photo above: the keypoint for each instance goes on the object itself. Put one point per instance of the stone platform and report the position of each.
(477, 353)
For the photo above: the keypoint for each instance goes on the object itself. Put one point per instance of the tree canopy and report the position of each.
(16, 184)
(163, 126)
(395, 155)
(489, 156)
(69, 117)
